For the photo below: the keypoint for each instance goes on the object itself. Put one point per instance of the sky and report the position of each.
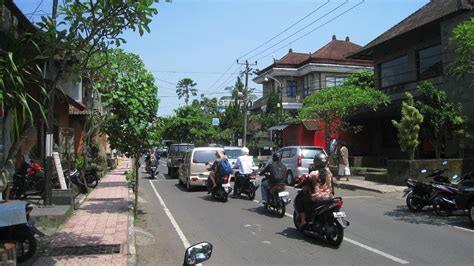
(202, 39)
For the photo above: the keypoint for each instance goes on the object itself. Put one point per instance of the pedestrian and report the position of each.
(343, 161)
(333, 154)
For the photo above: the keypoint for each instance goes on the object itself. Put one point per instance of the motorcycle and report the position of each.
(278, 198)
(29, 180)
(197, 253)
(222, 189)
(444, 202)
(326, 220)
(246, 184)
(16, 226)
(152, 169)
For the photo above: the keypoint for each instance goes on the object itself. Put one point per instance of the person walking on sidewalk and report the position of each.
(344, 169)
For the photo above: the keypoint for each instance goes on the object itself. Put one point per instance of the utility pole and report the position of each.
(245, 96)
(48, 195)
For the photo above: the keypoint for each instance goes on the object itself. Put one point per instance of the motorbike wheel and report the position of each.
(92, 181)
(470, 212)
(439, 208)
(25, 244)
(336, 234)
(252, 194)
(413, 204)
(281, 210)
(224, 197)
(296, 221)
(188, 186)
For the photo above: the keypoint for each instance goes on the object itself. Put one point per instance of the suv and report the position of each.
(298, 159)
(194, 171)
(175, 157)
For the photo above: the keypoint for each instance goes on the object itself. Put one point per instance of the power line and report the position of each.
(311, 31)
(189, 72)
(285, 30)
(165, 81)
(300, 30)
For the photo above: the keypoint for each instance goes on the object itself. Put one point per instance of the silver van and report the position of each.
(193, 171)
(297, 159)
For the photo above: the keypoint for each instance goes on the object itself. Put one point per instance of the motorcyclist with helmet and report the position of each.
(244, 164)
(317, 187)
(277, 171)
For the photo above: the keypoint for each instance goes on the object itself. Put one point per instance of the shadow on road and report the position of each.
(261, 210)
(401, 213)
(295, 234)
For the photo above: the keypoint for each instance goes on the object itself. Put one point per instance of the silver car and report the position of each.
(298, 159)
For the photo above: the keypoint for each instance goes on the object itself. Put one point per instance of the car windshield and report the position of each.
(179, 149)
(204, 156)
(310, 153)
(233, 153)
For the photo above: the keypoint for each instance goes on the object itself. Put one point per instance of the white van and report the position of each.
(193, 171)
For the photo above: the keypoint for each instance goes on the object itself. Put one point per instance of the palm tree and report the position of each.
(186, 87)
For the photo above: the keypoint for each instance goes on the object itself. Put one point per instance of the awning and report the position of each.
(280, 127)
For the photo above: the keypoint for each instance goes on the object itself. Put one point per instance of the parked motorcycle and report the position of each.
(197, 253)
(29, 180)
(326, 220)
(278, 198)
(444, 202)
(222, 189)
(465, 197)
(16, 226)
(246, 184)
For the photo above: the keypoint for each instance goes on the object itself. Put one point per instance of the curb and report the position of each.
(353, 187)
(132, 252)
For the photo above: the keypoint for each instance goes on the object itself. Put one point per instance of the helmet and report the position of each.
(320, 161)
(276, 157)
(245, 151)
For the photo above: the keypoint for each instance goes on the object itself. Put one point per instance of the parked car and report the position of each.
(193, 171)
(175, 156)
(465, 197)
(298, 159)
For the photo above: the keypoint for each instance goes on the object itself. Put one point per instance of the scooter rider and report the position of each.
(277, 172)
(316, 188)
(244, 164)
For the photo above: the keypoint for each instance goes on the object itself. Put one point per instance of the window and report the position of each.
(204, 156)
(334, 81)
(429, 62)
(286, 153)
(394, 71)
(233, 153)
(310, 153)
(291, 88)
(308, 84)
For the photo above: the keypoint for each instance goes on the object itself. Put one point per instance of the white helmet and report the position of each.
(245, 151)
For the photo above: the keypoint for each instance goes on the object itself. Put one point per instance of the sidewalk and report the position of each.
(358, 182)
(97, 233)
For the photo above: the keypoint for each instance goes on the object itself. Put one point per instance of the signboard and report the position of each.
(59, 170)
(215, 121)
(222, 104)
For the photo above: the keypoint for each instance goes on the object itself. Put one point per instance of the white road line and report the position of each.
(170, 216)
(381, 253)
(462, 228)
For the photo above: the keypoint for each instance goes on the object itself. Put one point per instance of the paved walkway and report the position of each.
(361, 183)
(97, 233)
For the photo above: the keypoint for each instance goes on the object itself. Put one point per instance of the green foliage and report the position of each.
(79, 162)
(409, 127)
(463, 37)
(185, 88)
(363, 79)
(129, 93)
(442, 118)
(190, 124)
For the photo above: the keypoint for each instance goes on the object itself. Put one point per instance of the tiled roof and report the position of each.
(292, 58)
(434, 10)
(336, 49)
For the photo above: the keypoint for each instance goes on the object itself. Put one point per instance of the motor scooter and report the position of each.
(16, 226)
(246, 184)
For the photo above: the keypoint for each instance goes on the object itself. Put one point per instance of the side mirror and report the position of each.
(445, 162)
(197, 253)
(424, 171)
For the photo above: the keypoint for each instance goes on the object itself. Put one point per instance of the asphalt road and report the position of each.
(382, 231)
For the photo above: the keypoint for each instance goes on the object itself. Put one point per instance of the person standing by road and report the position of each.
(344, 169)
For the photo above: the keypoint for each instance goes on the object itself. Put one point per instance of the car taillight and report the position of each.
(339, 203)
(194, 179)
(299, 164)
(35, 166)
(226, 178)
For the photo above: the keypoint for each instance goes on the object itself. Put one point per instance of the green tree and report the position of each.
(463, 37)
(335, 106)
(442, 119)
(185, 88)
(189, 124)
(409, 127)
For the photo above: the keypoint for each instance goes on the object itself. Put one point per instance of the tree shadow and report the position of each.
(111, 205)
(293, 233)
(211, 199)
(428, 217)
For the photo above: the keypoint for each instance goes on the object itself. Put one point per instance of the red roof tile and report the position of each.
(292, 58)
(336, 49)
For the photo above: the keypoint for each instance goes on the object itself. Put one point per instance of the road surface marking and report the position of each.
(376, 251)
(170, 216)
(462, 228)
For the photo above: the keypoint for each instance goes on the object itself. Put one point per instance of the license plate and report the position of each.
(204, 183)
(283, 194)
(339, 214)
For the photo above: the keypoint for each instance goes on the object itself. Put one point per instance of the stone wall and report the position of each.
(399, 170)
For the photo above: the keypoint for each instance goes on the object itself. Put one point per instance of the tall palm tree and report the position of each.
(185, 88)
